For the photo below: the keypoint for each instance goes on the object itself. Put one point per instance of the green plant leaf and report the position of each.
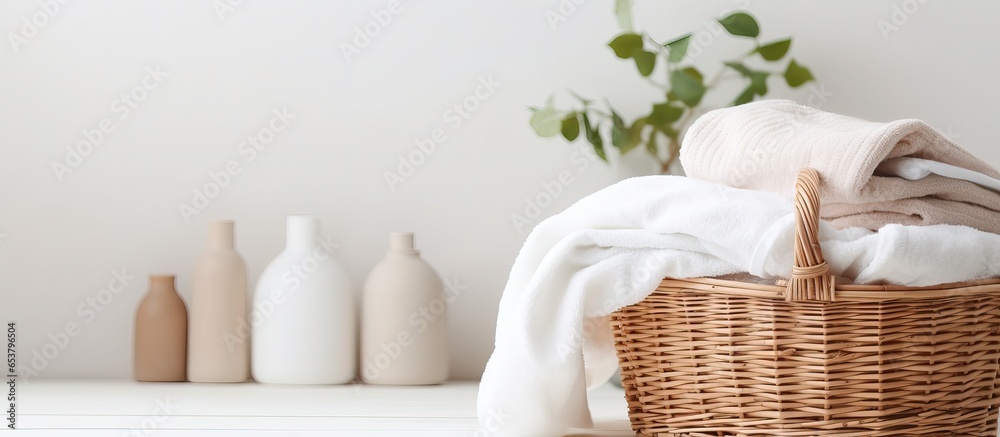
(651, 143)
(669, 131)
(686, 85)
(665, 113)
(758, 81)
(796, 74)
(741, 24)
(619, 138)
(626, 45)
(739, 67)
(623, 10)
(624, 137)
(594, 137)
(571, 127)
(619, 132)
(645, 61)
(546, 122)
(695, 73)
(775, 50)
(635, 134)
(678, 48)
(745, 97)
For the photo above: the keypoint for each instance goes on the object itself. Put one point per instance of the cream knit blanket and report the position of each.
(763, 145)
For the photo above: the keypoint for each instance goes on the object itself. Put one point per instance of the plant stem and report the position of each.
(661, 86)
(673, 152)
(718, 74)
(682, 126)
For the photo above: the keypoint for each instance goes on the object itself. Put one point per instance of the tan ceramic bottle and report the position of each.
(219, 343)
(404, 331)
(161, 333)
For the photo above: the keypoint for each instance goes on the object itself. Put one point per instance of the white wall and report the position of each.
(61, 240)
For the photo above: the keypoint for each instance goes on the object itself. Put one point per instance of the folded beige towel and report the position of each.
(763, 145)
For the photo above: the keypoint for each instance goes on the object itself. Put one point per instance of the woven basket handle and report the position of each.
(810, 279)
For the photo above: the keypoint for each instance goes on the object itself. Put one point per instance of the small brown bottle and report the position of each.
(161, 333)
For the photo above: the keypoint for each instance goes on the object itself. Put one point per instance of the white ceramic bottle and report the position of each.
(404, 332)
(218, 347)
(303, 316)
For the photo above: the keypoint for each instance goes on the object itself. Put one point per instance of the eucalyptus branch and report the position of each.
(684, 90)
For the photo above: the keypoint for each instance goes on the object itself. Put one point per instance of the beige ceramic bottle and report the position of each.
(161, 333)
(219, 343)
(404, 332)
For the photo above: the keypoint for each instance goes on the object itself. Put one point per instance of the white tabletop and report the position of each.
(92, 407)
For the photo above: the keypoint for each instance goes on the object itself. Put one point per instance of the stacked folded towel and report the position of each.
(763, 145)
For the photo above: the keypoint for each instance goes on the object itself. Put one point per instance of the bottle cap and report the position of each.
(401, 240)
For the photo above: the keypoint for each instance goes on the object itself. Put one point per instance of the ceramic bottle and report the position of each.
(404, 334)
(161, 333)
(303, 317)
(219, 343)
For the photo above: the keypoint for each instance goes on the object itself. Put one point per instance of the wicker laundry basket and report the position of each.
(713, 357)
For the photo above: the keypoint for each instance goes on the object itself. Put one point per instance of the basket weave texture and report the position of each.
(712, 357)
